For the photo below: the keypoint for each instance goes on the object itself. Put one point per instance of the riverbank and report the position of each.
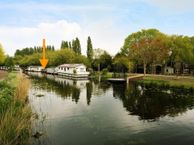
(186, 81)
(15, 113)
(3, 74)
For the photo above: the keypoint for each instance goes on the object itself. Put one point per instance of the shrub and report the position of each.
(104, 71)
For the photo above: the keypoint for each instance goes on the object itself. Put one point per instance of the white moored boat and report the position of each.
(73, 70)
(34, 69)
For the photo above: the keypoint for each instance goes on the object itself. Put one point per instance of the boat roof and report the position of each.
(71, 65)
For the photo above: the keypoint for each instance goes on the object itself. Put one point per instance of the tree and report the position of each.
(2, 55)
(9, 62)
(70, 45)
(122, 64)
(89, 49)
(181, 51)
(78, 45)
(104, 61)
(147, 46)
(64, 44)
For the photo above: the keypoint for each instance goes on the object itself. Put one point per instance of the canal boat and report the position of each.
(51, 70)
(73, 70)
(34, 68)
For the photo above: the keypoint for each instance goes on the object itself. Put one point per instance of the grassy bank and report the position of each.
(187, 82)
(3, 74)
(15, 113)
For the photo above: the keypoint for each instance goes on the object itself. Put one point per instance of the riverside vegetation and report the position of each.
(15, 113)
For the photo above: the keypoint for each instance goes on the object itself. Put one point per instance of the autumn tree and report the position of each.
(147, 46)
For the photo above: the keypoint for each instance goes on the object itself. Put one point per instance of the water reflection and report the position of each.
(67, 88)
(151, 102)
(97, 113)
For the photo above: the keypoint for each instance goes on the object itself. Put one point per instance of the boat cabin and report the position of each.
(73, 70)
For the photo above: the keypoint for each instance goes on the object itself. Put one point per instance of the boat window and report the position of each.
(82, 69)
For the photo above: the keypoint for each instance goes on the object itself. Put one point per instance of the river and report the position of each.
(88, 112)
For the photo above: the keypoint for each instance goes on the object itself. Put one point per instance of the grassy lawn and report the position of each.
(172, 81)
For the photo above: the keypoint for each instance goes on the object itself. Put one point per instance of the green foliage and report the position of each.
(122, 64)
(56, 58)
(104, 61)
(76, 46)
(9, 62)
(147, 46)
(89, 49)
(15, 114)
(104, 71)
(182, 49)
(31, 50)
(65, 44)
(6, 94)
(2, 55)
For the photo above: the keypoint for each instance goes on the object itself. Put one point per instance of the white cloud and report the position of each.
(103, 35)
(13, 38)
(174, 5)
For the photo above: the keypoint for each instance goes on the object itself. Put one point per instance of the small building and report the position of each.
(73, 70)
(168, 70)
(34, 68)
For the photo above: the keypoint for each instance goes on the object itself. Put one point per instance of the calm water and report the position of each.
(92, 113)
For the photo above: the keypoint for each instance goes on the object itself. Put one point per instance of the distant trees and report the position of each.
(55, 58)
(31, 50)
(64, 44)
(75, 45)
(2, 55)
(89, 49)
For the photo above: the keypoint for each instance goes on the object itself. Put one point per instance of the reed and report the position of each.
(15, 121)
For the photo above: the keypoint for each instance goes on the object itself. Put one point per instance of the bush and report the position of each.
(15, 114)
(104, 71)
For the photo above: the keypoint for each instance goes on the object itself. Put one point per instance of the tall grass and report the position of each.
(15, 121)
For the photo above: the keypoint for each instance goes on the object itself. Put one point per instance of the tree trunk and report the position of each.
(98, 67)
(144, 68)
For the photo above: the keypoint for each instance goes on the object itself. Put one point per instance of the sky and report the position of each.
(108, 22)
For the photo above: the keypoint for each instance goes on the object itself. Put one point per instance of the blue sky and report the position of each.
(108, 22)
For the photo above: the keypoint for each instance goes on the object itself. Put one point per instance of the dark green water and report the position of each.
(93, 113)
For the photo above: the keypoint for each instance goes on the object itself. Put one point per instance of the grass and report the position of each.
(171, 81)
(16, 115)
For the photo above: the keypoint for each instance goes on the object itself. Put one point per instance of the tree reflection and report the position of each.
(152, 102)
(89, 87)
(64, 88)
